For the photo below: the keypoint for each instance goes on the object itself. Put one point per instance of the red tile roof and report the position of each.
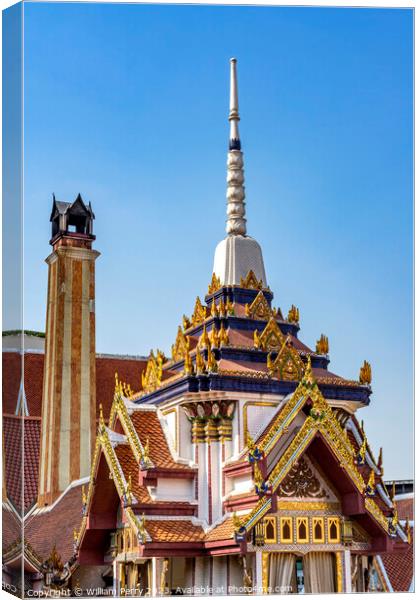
(12, 434)
(174, 531)
(399, 567)
(55, 526)
(129, 371)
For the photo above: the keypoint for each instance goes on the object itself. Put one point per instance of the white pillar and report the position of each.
(203, 482)
(235, 444)
(216, 481)
(258, 572)
(114, 578)
(347, 572)
(201, 579)
(155, 574)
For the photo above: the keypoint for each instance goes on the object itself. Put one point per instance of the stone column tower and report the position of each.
(69, 393)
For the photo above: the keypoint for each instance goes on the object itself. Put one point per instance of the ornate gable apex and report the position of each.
(250, 282)
(305, 481)
(271, 338)
(181, 346)
(259, 309)
(288, 364)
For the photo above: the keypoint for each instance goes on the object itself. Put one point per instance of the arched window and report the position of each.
(334, 530)
(270, 530)
(302, 530)
(318, 530)
(286, 530)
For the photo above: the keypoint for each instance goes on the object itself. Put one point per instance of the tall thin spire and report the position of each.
(236, 222)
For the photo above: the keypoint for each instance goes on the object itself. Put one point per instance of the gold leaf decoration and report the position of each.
(293, 315)
(365, 376)
(215, 284)
(251, 282)
(322, 345)
(288, 365)
(180, 346)
(271, 338)
(200, 365)
(214, 337)
(152, 377)
(199, 313)
(223, 336)
(212, 363)
(259, 308)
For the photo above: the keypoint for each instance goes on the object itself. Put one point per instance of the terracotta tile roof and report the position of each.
(174, 531)
(12, 434)
(129, 371)
(11, 528)
(56, 526)
(224, 531)
(405, 508)
(241, 366)
(34, 376)
(148, 427)
(399, 567)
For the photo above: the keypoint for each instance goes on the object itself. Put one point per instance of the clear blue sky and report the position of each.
(127, 104)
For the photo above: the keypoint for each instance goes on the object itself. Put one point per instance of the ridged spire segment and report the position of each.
(236, 222)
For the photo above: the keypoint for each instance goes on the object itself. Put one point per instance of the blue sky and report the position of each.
(128, 104)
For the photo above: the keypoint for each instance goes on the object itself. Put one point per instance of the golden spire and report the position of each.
(199, 363)
(204, 339)
(223, 336)
(365, 376)
(215, 284)
(322, 345)
(188, 365)
(293, 315)
(211, 362)
(213, 310)
(308, 376)
(222, 308)
(214, 337)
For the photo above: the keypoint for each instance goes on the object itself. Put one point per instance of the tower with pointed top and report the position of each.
(68, 403)
(238, 253)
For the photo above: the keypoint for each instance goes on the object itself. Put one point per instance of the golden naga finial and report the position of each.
(200, 365)
(215, 284)
(214, 337)
(223, 336)
(230, 308)
(188, 364)
(380, 461)
(407, 530)
(308, 376)
(222, 308)
(361, 455)
(365, 376)
(322, 345)
(237, 522)
(371, 482)
(293, 315)
(257, 340)
(204, 339)
(213, 309)
(211, 362)
(186, 323)
(84, 496)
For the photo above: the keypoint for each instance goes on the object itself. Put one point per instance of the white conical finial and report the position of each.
(236, 222)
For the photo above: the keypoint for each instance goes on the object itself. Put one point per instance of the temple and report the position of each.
(235, 465)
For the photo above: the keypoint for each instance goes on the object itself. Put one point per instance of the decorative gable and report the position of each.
(287, 365)
(271, 338)
(302, 482)
(251, 282)
(259, 309)
(181, 346)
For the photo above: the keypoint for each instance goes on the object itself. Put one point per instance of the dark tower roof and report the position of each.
(71, 218)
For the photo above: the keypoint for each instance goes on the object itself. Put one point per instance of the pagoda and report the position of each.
(240, 465)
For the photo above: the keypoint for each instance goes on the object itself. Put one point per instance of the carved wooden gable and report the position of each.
(303, 481)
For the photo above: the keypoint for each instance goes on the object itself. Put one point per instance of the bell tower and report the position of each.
(69, 402)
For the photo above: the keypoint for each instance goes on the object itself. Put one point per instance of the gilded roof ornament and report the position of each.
(365, 376)
(213, 310)
(223, 336)
(271, 339)
(188, 364)
(230, 308)
(380, 461)
(204, 341)
(214, 337)
(371, 484)
(200, 365)
(288, 365)
(257, 340)
(222, 308)
(251, 282)
(212, 362)
(293, 315)
(215, 284)
(361, 454)
(322, 345)
(152, 377)
(186, 323)
(180, 346)
(259, 309)
(199, 313)
(237, 522)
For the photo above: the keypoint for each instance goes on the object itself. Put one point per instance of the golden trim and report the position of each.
(245, 415)
(336, 521)
(302, 521)
(273, 521)
(339, 572)
(314, 522)
(296, 505)
(284, 540)
(265, 567)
